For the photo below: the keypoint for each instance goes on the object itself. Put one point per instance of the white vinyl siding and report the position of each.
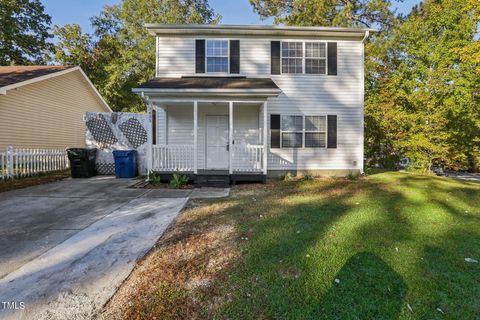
(302, 94)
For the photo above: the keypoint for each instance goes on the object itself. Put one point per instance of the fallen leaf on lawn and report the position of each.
(409, 307)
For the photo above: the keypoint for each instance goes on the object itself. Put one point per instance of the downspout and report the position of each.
(367, 33)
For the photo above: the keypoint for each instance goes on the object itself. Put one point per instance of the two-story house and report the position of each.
(232, 102)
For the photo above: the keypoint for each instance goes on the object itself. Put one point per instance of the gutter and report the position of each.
(367, 33)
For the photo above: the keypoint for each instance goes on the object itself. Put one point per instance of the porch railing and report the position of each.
(247, 158)
(175, 157)
(23, 162)
(172, 157)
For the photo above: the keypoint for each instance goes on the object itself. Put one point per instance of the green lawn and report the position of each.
(396, 242)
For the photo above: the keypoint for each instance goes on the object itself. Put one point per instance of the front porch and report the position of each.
(213, 129)
(214, 142)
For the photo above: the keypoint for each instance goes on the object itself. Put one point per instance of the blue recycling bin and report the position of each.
(125, 163)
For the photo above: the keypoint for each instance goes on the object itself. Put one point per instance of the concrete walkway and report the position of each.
(464, 176)
(65, 247)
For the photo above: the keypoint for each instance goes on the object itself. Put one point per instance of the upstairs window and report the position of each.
(292, 57)
(217, 56)
(304, 57)
(315, 58)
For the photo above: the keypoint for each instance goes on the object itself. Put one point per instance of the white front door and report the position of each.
(217, 142)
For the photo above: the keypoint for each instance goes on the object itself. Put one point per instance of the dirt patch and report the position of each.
(20, 183)
(178, 278)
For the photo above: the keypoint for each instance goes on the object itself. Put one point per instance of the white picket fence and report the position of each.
(23, 162)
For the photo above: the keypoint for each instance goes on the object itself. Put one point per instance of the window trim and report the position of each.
(304, 58)
(206, 56)
(303, 131)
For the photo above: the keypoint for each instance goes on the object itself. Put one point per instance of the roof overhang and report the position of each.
(255, 30)
(221, 94)
(209, 87)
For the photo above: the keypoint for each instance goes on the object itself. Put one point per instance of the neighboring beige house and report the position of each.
(44, 106)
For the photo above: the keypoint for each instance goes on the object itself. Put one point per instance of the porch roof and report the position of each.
(202, 86)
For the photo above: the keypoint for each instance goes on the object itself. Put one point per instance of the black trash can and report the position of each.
(82, 162)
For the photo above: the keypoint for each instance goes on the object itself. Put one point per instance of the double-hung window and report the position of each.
(304, 57)
(217, 56)
(292, 131)
(303, 131)
(315, 131)
(315, 58)
(292, 57)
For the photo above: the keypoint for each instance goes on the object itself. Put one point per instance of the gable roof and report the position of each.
(258, 30)
(12, 77)
(15, 74)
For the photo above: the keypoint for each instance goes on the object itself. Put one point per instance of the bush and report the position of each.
(287, 176)
(308, 176)
(178, 181)
(154, 178)
(352, 176)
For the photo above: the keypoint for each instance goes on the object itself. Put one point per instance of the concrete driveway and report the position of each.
(65, 247)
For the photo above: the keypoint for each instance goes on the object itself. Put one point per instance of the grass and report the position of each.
(23, 182)
(388, 246)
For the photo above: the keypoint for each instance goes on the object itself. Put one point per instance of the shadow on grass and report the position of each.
(367, 289)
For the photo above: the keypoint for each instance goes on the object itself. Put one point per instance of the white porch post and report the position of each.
(195, 136)
(230, 137)
(265, 138)
(149, 139)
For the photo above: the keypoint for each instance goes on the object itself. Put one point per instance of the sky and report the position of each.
(232, 11)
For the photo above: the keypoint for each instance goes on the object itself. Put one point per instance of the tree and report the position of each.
(426, 105)
(123, 55)
(24, 32)
(341, 13)
(74, 47)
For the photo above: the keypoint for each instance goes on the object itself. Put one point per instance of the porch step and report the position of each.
(212, 180)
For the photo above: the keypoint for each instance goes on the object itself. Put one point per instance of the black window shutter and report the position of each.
(331, 131)
(200, 56)
(275, 57)
(234, 56)
(332, 58)
(275, 131)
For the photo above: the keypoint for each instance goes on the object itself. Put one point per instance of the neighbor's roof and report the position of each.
(12, 77)
(265, 30)
(202, 86)
(15, 74)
